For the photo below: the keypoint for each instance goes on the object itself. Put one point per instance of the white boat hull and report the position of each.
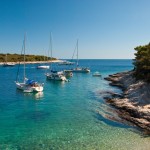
(81, 70)
(42, 67)
(68, 73)
(28, 88)
(28, 85)
(66, 63)
(56, 76)
(8, 65)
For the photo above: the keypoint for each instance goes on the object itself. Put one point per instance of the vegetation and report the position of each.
(142, 62)
(19, 58)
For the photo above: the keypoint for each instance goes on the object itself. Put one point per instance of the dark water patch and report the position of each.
(91, 95)
(111, 121)
(36, 116)
(95, 96)
(3, 106)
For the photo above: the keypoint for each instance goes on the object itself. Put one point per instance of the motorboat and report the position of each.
(56, 75)
(96, 74)
(81, 70)
(8, 64)
(43, 67)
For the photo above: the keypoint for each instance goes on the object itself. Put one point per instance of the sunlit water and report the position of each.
(66, 115)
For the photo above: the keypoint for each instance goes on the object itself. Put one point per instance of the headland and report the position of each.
(134, 102)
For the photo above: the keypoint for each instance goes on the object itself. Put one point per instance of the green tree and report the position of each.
(142, 62)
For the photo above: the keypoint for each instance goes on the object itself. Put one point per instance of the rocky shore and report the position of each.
(133, 104)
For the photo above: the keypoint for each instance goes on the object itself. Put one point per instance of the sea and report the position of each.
(66, 115)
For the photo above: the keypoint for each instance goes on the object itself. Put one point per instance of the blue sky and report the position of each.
(105, 28)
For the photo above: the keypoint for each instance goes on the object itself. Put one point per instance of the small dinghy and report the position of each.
(97, 74)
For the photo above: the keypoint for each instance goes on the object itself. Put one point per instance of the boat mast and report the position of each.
(6, 59)
(77, 53)
(51, 45)
(24, 47)
(51, 49)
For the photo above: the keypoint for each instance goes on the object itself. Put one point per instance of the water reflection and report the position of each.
(39, 95)
(56, 83)
(36, 96)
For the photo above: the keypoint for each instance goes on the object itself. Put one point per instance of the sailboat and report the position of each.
(80, 69)
(55, 75)
(28, 85)
(6, 64)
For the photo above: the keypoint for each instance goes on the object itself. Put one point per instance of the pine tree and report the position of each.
(142, 62)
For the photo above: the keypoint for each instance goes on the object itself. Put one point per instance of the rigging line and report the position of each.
(19, 66)
(49, 58)
(74, 51)
(51, 48)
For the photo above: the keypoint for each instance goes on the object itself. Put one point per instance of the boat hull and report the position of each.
(81, 70)
(8, 65)
(56, 77)
(68, 73)
(29, 89)
(42, 67)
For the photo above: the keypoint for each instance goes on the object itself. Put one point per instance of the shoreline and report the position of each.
(33, 62)
(133, 104)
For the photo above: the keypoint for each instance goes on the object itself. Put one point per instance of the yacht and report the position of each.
(28, 85)
(53, 74)
(80, 69)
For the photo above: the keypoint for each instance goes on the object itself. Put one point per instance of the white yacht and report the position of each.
(28, 85)
(80, 69)
(55, 75)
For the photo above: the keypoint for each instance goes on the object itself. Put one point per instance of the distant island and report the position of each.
(19, 58)
(133, 104)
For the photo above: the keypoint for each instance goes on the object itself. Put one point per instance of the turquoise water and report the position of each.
(66, 115)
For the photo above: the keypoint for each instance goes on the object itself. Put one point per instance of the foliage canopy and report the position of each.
(19, 58)
(142, 62)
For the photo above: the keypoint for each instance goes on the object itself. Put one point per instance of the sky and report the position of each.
(105, 29)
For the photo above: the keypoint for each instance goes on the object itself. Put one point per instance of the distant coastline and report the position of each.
(34, 62)
(133, 104)
(16, 58)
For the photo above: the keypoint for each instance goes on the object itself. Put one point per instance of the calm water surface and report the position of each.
(66, 115)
